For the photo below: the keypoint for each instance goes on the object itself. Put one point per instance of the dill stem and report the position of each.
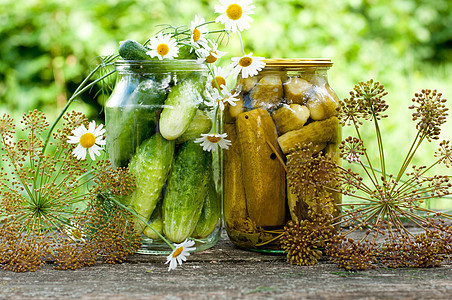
(13, 162)
(416, 143)
(381, 215)
(407, 184)
(380, 147)
(80, 89)
(368, 161)
(361, 185)
(145, 222)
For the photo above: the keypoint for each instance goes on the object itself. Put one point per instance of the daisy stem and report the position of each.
(241, 43)
(219, 89)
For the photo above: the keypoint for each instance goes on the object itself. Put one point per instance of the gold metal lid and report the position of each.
(297, 63)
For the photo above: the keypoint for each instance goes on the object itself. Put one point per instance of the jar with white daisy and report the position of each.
(286, 115)
(161, 127)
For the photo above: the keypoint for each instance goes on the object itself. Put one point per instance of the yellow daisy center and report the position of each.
(87, 140)
(234, 12)
(213, 139)
(162, 49)
(245, 61)
(220, 80)
(211, 59)
(177, 252)
(196, 34)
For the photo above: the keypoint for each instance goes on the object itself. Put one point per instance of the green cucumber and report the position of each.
(188, 185)
(129, 125)
(156, 222)
(210, 214)
(150, 166)
(132, 50)
(180, 106)
(201, 123)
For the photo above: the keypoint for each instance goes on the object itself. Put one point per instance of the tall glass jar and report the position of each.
(289, 104)
(153, 116)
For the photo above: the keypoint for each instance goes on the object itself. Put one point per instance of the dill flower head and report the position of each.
(350, 254)
(352, 149)
(444, 153)
(365, 102)
(309, 170)
(41, 187)
(430, 112)
(422, 250)
(303, 240)
(7, 127)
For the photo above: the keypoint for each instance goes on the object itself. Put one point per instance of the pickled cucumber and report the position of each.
(264, 177)
(319, 132)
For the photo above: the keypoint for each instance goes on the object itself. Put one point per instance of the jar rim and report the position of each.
(295, 63)
(169, 65)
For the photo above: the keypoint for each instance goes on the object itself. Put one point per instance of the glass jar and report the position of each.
(288, 103)
(153, 116)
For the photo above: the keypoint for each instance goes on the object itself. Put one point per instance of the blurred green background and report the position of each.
(47, 47)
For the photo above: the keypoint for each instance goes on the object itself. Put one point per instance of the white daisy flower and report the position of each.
(179, 254)
(235, 14)
(226, 97)
(87, 139)
(211, 141)
(248, 65)
(209, 54)
(198, 32)
(212, 95)
(162, 46)
(220, 74)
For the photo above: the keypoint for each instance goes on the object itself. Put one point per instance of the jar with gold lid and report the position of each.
(288, 105)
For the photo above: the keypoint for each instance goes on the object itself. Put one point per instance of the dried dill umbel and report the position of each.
(42, 186)
(386, 202)
(305, 239)
(376, 201)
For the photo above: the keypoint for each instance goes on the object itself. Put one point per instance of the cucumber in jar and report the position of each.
(210, 213)
(130, 124)
(180, 106)
(150, 166)
(187, 188)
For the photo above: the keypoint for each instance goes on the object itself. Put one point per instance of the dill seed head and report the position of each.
(365, 102)
(298, 241)
(309, 170)
(430, 112)
(350, 254)
(39, 193)
(444, 153)
(352, 149)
